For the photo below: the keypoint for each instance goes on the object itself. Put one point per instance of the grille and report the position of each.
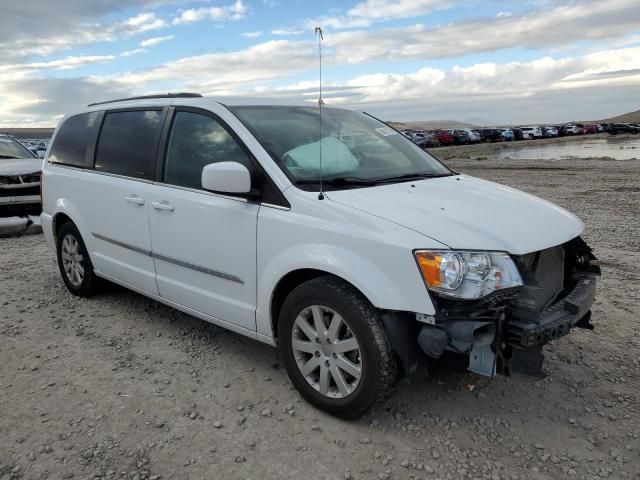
(543, 276)
(20, 185)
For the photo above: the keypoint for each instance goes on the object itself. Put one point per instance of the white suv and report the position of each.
(531, 132)
(334, 237)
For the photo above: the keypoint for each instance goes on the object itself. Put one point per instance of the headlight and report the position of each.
(466, 274)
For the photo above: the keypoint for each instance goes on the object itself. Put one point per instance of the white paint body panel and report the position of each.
(468, 213)
(213, 232)
(365, 236)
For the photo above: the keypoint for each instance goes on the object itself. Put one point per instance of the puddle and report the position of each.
(617, 148)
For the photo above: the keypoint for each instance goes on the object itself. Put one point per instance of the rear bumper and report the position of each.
(557, 320)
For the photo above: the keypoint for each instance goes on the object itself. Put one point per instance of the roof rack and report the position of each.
(145, 97)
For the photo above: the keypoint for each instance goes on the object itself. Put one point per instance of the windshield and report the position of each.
(9, 148)
(357, 150)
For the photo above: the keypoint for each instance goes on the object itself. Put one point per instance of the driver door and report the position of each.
(204, 244)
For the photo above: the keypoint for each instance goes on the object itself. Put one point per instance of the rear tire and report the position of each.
(74, 262)
(346, 382)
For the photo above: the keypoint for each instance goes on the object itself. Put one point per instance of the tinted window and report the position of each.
(195, 141)
(127, 144)
(72, 140)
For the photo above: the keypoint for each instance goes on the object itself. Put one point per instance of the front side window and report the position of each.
(73, 139)
(355, 148)
(197, 140)
(128, 143)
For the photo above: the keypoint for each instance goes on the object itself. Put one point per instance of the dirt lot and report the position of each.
(120, 387)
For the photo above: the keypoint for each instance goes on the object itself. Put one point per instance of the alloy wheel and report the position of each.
(326, 351)
(72, 260)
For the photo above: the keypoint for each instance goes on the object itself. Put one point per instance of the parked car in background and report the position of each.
(460, 136)
(491, 135)
(508, 134)
(531, 132)
(570, 129)
(616, 128)
(444, 137)
(427, 140)
(474, 137)
(360, 270)
(517, 133)
(549, 132)
(20, 204)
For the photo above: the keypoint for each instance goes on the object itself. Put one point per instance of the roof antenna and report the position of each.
(318, 33)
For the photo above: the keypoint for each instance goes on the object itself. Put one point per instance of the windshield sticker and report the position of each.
(386, 131)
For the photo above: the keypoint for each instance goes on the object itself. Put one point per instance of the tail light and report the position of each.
(41, 191)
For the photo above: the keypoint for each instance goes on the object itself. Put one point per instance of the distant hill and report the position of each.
(631, 117)
(430, 124)
(28, 132)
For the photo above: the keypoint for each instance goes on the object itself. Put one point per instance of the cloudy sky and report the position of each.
(519, 61)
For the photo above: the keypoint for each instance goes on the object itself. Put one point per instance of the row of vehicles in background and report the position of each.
(465, 136)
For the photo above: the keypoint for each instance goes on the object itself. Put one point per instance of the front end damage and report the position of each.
(506, 330)
(20, 203)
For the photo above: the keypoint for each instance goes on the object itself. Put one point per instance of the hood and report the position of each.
(467, 213)
(19, 166)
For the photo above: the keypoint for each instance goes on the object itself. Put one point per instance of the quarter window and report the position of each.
(73, 139)
(197, 140)
(128, 143)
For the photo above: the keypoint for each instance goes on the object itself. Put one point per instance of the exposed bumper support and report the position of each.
(557, 320)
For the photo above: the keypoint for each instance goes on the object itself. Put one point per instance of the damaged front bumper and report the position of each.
(506, 330)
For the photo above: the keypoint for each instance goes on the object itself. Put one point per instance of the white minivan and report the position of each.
(326, 233)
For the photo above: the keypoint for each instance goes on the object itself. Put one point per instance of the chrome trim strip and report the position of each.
(175, 261)
(198, 268)
(122, 244)
(277, 207)
(201, 191)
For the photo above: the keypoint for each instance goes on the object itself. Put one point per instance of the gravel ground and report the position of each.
(120, 387)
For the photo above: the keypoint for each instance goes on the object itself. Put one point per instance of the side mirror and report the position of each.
(41, 153)
(226, 177)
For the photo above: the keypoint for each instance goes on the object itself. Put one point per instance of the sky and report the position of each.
(484, 62)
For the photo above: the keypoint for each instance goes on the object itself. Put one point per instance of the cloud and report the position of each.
(264, 61)
(251, 34)
(235, 11)
(551, 27)
(135, 51)
(143, 22)
(68, 63)
(284, 32)
(150, 42)
(370, 11)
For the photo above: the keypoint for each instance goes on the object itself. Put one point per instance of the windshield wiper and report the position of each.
(9, 157)
(412, 176)
(339, 181)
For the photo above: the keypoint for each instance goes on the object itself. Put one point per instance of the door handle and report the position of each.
(136, 200)
(163, 205)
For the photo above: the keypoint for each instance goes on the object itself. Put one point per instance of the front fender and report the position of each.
(392, 282)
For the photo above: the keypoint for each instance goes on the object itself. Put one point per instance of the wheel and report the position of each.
(335, 348)
(74, 262)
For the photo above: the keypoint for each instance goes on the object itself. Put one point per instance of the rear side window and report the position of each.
(195, 141)
(128, 142)
(73, 139)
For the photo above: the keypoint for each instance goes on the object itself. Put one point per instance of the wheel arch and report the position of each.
(289, 282)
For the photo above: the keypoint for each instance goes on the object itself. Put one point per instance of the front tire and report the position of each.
(335, 348)
(74, 262)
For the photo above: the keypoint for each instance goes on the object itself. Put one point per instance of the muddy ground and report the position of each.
(120, 387)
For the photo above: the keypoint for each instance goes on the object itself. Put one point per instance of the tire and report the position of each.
(323, 298)
(82, 283)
